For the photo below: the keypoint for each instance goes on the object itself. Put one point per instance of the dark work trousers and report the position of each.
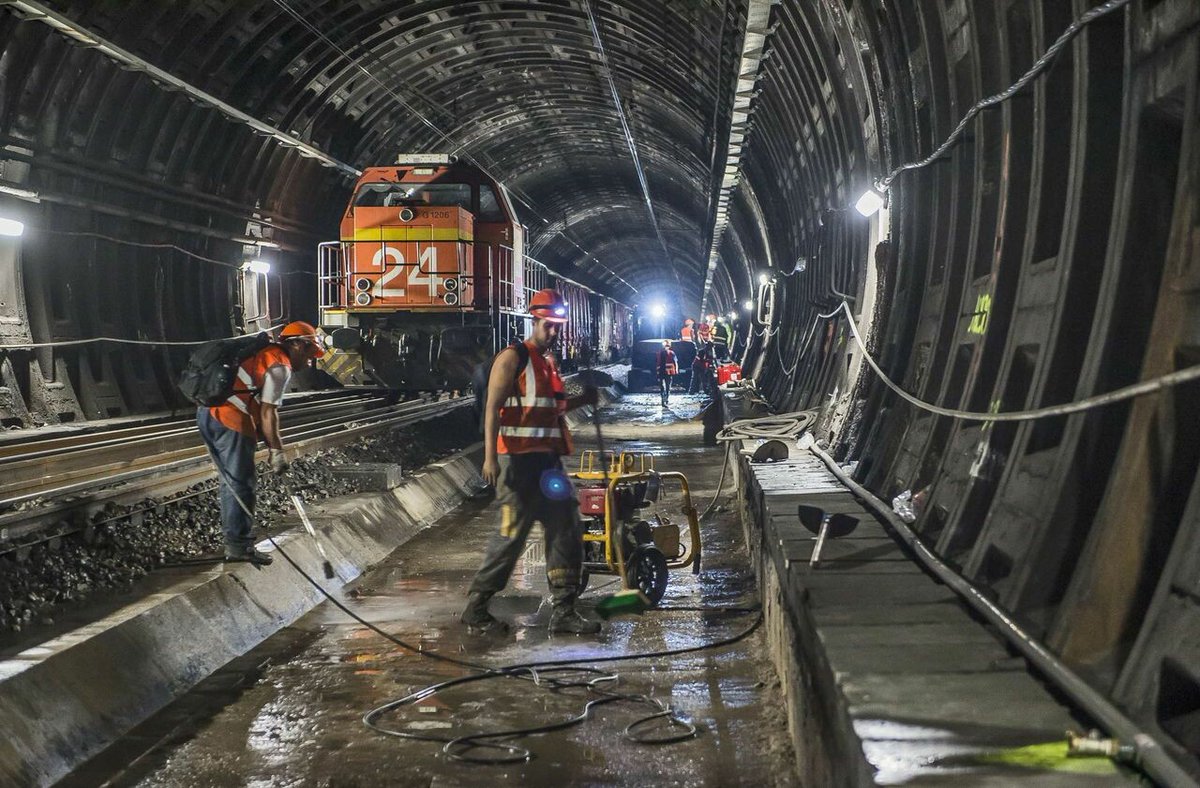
(233, 453)
(522, 502)
(721, 350)
(664, 387)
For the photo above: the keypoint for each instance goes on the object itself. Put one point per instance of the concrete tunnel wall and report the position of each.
(1048, 256)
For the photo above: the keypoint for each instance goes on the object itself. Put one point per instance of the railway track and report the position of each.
(52, 485)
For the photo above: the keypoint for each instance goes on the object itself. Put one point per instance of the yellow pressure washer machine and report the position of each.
(622, 538)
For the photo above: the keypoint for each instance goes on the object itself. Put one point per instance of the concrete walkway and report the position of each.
(288, 713)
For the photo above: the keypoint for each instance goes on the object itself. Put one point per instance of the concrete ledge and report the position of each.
(887, 677)
(65, 700)
(582, 417)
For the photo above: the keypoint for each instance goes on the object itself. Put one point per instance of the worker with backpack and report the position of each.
(238, 385)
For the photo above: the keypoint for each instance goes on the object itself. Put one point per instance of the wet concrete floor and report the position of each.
(289, 712)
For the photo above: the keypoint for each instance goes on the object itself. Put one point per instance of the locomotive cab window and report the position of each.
(490, 209)
(386, 195)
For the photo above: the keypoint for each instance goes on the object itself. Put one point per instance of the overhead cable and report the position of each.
(120, 341)
(1127, 392)
(30, 9)
(1038, 66)
(598, 41)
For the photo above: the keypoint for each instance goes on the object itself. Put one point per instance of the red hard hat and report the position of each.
(548, 304)
(298, 329)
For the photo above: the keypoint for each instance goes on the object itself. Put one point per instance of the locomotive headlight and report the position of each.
(362, 283)
(362, 299)
(406, 214)
(450, 284)
(451, 299)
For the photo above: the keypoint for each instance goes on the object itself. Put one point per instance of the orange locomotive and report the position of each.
(430, 277)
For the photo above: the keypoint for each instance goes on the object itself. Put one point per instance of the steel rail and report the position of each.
(69, 506)
(150, 453)
(67, 447)
(64, 445)
(74, 430)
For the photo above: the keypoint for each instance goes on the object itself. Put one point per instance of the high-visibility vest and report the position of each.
(687, 333)
(529, 418)
(667, 365)
(241, 412)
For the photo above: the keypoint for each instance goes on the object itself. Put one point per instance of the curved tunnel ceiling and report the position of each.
(522, 89)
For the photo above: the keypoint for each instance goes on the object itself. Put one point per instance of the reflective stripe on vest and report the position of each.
(529, 418)
(241, 411)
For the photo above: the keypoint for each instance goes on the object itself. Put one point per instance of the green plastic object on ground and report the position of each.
(628, 602)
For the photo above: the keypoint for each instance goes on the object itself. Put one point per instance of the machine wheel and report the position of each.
(646, 568)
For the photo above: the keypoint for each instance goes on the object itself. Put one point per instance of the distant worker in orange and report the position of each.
(231, 431)
(525, 438)
(688, 332)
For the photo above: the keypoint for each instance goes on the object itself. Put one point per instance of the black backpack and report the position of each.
(483, 371)
(208, 378)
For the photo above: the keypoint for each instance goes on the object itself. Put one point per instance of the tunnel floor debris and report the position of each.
(288, 713)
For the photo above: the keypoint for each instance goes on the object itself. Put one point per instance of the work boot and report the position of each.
(247, 555)
(568, 619)
(478, 619)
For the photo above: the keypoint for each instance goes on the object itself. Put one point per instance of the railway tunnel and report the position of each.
(951, 509)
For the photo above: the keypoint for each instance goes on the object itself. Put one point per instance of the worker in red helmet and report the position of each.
(231, 431)
(525, 439)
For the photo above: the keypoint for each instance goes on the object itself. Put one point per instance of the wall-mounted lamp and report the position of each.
(658, 310)
(11, 227)
(733, 315)
(257, 266)
(764, 278)
(748, 305)
(870, 202)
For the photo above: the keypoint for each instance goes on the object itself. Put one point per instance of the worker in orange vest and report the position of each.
(688, 332)
(231, 431)
(525, 439)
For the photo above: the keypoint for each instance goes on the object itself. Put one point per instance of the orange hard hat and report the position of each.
(298, 329)
(549, 305)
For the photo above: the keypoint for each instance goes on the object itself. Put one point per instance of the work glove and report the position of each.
(277, 459)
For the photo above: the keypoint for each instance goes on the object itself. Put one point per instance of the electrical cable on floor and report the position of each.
(459, 747)
(541, 673)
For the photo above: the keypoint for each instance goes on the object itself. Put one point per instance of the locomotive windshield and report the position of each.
(385, 195)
